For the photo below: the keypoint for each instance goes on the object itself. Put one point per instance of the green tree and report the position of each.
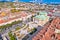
(12, 37)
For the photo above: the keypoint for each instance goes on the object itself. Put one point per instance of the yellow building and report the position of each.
(3, 14)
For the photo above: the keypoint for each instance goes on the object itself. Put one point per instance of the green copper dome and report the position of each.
(42, 13)
(41, 17)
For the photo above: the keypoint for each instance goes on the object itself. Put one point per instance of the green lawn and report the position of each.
(17, 28)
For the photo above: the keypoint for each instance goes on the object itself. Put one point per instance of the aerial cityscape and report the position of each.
(29, 21)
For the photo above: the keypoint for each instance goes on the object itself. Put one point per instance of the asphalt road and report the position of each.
(31, 36)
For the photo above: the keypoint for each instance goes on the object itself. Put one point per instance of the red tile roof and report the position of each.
(21, 14)
(1, 21)
(49, 30)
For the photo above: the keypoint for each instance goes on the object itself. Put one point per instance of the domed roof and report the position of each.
(42, 13)
(41, 17)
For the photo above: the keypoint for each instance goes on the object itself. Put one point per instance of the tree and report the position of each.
(12, 37)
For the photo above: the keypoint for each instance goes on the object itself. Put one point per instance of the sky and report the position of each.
(43, 1)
